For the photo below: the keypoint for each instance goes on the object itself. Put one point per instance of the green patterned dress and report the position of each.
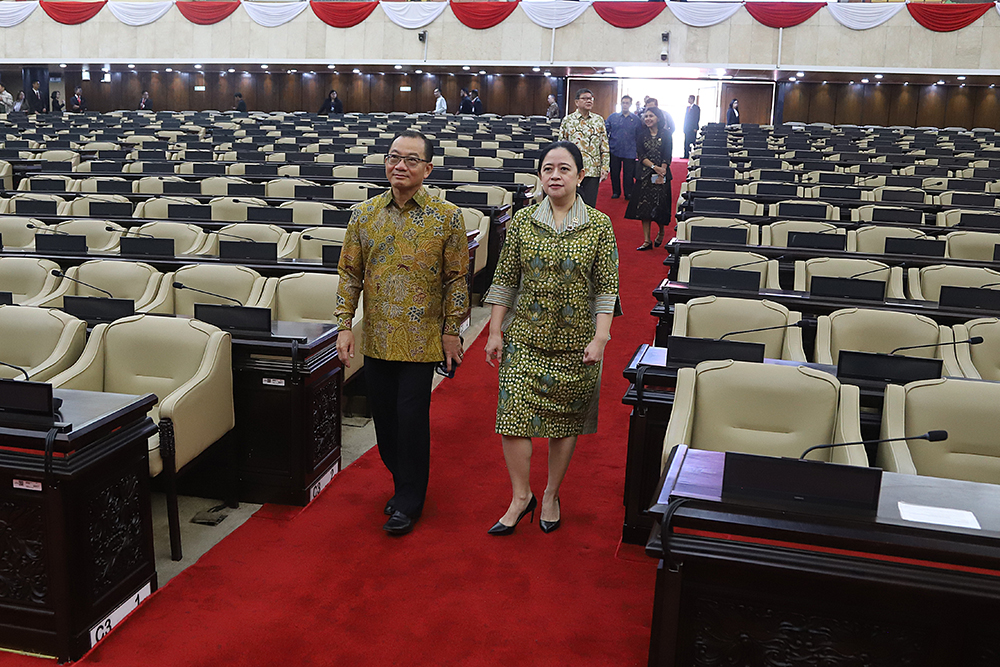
(554, 280)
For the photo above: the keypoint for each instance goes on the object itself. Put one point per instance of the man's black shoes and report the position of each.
(389, 509)
(399, 524)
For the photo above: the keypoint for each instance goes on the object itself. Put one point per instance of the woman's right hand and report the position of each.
(494, 348)
(660, 169)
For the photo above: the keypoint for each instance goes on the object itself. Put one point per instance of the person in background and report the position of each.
(623, 128)
(240, 106)
(465, 104)
(477, 104)
(6, 100)
(20, 104)
(587, 131)
(76, 103)
(553, 110)
(440, 104)
(145, 104)
(407, 251)
(56, 105)
(36, 102)
(652, 199)
(733, 113)
(558, 272)
(332, 104)
(692, 120)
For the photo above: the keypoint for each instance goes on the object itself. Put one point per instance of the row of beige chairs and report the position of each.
(860, 329)
(922, 283)
(831, 212)
(869, 239)
(743, 407)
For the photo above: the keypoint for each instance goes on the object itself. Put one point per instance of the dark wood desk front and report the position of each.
(742, 585)
(77, 547)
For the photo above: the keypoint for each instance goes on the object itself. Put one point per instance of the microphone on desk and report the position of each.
(800, 324)
(178, 285)
(868, 272)
(109, 228)
(48, 230)
(988, 285)
(975, 340)
(756, 261)
(17, 368)
(930, 436)
(230, 236)
(59, 274)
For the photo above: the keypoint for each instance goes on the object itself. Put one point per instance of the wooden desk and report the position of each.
(740, 585)
(78, 540)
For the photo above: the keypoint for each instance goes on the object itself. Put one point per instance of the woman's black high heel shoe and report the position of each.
(502, 529)
(658, 241)
(549, 526)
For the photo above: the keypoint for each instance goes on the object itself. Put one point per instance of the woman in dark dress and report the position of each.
(57, 105)
(332, 104)
(650, 200)
(733, 113)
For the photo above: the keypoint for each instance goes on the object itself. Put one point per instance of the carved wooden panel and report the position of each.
(23, 579)
(325, 419)
(115, 532)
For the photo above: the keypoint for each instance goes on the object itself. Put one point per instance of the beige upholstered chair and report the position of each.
(310, 297)
(188, 239)
(966, 409)
(979, 362)
(72, 157)
(871, 238)
(971, 245)
(218, 186)
(233, 209)
(868, 330)
(312, 248)
(81, 205)
(496, 195)
(6, 175)
(28, 279)
(152, 185)
(866, 213)
(11, 205)
(476, 221)
(900, 194)
(125, 280)
(345, 171)
(99, 239)
(831, 212)
(776, 233)
(744, 407)
(89, 185)
(684, 227)
(159, 207)
(15, 233)
(238, 282)
(285, 187)
(925, 282)
(31, 183)
(259, 232)
(725, 259)
(352, 191)
(307, 212)
(845, 268)
(43, 342)
(187, 364)
(713, 316)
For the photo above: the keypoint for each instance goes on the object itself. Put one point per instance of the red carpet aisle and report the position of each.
(327, 587)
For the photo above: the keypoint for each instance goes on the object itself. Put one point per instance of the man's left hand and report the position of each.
(604, 175)
(452, 351)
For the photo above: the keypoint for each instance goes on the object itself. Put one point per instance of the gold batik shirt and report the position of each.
(591, 137)
(412, 264)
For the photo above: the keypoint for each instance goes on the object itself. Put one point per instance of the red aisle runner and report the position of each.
(327, 586)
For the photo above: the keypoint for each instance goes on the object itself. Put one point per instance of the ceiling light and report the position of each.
(522, 73)
(106, 68)
(169, 69)
(263, 66)
(609, 69)
(292, 71)
(382, 73)
(961, 85)
(197, 66)
(878, 76)
(398, 66)
(961, 78)
(231, 70)
(85, 75)
(482, 71)
(852, 83)
(107, 77)
(63, 65)
(418, 71)
(906, 83)
(800, 74)
(940, 82)
(548, 74)
(864, 80)
(791, 78)
(993, 85)
(331, 67)
(131, 66)
(536, 69)
(824, 83)
(357, 71)
(466, 68)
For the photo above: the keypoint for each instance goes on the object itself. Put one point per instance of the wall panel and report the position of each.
(755, 101)
(931, 104)
(960, 110)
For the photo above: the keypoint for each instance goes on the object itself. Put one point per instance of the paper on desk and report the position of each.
(941, 516)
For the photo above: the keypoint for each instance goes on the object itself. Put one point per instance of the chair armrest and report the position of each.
(88, 371)
(822, 353)
(67, 351)
(681, 416)
(771, 281)
(290, 248)
(800, 276)
(267, 295)
(680, 320)
(849, 428)
(894, 456)
(963, 354)
(913, 280)
(162, 302)
(792, 348)
(201, 409)
(894, 290)
(949, 352)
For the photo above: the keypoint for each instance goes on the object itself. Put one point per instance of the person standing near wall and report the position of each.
(6, 100)
(622, 131)
(586, 129)
(692, 121)
(553, 109)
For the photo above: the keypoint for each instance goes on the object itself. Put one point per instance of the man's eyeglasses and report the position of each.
(586, 99)
(392, 160)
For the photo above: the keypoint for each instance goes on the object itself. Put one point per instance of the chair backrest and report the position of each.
(871, 238)
(313, 248)
(81, 205)
(260, 232)
(188, 238)
(125, 280)
(152, 185)
(233, 209)
(218, 186)
(285, 187)
(15, 233)
(925, 282)
(98, 236)
(776, 233)
(352, 191)
(966, 409)
(31, 335)
(743, 407)
(684, 227)
(982, 361)
(844, 267)
(239, 282)
(27, 278)
(90, 184)
(724, 259)
(305, 297)
(869, 330)
(159, 207)
(714, 316)
(971, 245)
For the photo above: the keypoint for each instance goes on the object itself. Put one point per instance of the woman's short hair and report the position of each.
(573, 149)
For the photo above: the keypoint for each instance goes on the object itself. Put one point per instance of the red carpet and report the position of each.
(326, 586)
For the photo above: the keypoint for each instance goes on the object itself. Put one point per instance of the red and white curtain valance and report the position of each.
(551, 14)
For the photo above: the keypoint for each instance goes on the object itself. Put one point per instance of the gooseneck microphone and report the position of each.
(17, 368)
(988, 285)
(975, 340)
(59, 274)
(800, 324)
(756, 261)
(230, 236)
(870, 271)
(47, 230)
(109, 228)
(178, 285)
(930, 436)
